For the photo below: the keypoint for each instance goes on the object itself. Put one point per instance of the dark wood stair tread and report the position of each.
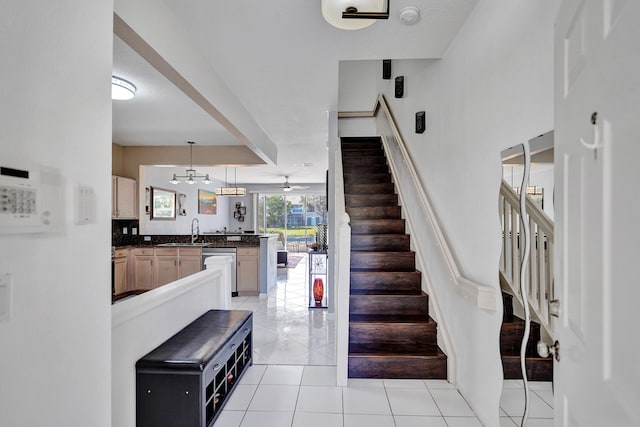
(386, 282)
(538, 368)
(421, 365)
(381, 318)
(363, 200)
(377, 226)
(383, 261)
(380, 242)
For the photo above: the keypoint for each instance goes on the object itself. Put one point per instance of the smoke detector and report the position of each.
(409, 15)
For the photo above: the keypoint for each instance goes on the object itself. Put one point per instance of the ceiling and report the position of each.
(280, 59)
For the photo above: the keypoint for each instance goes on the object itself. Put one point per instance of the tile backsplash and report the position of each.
(118, 238)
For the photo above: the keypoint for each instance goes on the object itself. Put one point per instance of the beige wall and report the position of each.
(127, 160)
(116, 159)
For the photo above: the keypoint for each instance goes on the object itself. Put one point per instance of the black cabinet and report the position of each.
(186, 381)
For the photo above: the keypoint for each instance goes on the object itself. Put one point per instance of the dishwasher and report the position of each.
(207, 252)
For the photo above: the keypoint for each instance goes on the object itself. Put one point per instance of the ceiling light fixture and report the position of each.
(192, 176)
(354, 14)
(234, 191)
(122, 89)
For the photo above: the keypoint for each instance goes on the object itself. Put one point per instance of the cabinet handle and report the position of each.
(233, 346)
(175, 262)
(217, 367)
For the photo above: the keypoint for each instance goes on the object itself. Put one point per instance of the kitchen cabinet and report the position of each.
(154, 267)
(123, 198)
(248, 271)
(165, 269)
(142, 268)
(189, 261)
(120, 271)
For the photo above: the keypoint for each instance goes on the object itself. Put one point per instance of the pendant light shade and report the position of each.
(234, 191)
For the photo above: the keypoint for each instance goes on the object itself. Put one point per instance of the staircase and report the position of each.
(390, 332)
(511, 333)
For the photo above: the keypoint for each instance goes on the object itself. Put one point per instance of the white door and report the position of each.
(597, 70)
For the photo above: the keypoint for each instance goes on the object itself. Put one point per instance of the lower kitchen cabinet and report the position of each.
(189, 261)
(142, 271)
(154, 267)
(120, 271)
(248, 271)
(165, 269)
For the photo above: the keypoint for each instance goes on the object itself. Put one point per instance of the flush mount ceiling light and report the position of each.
(192, 176)
(354, 14)
(234, 191)
(122, 89)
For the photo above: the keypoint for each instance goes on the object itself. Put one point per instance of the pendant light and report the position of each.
(192, 176)
(234, 191)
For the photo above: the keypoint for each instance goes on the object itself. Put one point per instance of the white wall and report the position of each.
(159, 177)
(492, 90)
(56, 111)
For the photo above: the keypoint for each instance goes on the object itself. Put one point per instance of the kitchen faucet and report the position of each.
(195, 225)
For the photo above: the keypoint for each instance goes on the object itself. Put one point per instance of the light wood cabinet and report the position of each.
(166, 266)
(248, 271)
(189, 261)
(154, 267)
(123, 198)
(120, 270)
(142, 268)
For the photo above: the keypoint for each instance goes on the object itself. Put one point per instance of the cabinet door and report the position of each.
(165, 270)
(247, 275)
(114, 196)
(120, 275)
(188, 265)
(143, 272)
(124, 194)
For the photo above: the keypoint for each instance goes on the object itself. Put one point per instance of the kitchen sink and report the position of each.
(183, 244)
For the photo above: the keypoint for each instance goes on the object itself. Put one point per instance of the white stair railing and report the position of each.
(539, 271)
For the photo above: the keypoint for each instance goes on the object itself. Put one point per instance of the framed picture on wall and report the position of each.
(163, 204)
(207, 203)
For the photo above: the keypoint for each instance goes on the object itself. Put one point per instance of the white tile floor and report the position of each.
(293, 379)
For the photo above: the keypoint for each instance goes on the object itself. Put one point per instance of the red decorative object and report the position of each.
(318, 291)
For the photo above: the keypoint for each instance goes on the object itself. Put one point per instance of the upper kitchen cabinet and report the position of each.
(123, 198)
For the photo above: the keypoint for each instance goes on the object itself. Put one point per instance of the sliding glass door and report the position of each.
(294, 218)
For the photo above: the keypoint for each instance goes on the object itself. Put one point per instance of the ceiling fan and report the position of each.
(288, 187)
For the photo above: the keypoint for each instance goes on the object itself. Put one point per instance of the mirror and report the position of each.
(163, 204)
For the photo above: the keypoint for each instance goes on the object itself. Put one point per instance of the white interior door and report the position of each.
(597, 70)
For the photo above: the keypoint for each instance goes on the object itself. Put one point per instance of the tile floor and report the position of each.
(292, 382)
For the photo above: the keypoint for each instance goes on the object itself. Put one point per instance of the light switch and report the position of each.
(134, 231)
(5, 297)
(85, 199)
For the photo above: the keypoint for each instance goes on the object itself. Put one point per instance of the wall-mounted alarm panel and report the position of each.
(30, 199)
